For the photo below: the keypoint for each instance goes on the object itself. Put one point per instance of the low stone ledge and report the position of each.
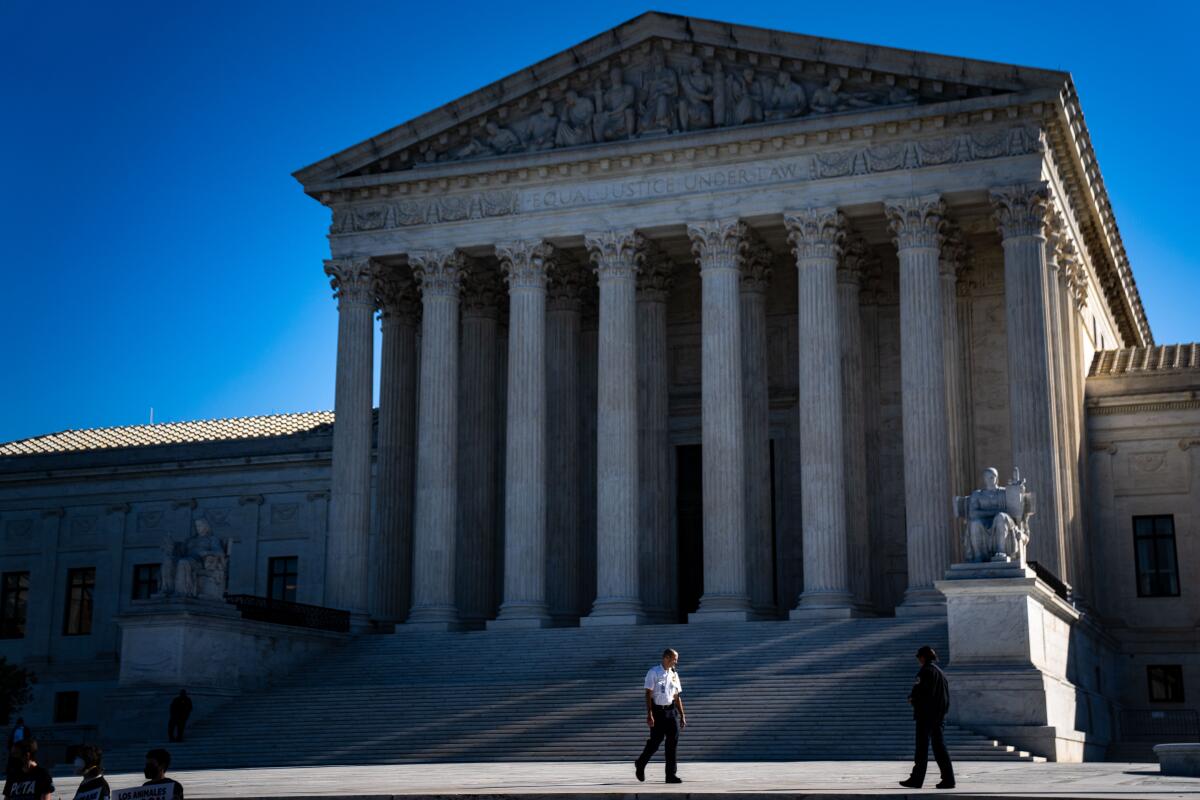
(1182, 758)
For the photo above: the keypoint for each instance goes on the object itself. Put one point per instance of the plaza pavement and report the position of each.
(713, 780)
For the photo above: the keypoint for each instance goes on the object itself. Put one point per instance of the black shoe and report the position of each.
(911, 784)
(946, 785)
(673, 779)
(640, 771)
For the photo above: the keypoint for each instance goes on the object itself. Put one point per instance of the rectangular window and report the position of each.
(14, 599)
(145, 580)
(66, 706)
(1154, 555)
(281, 578)
(1166, 683)
(81, 584)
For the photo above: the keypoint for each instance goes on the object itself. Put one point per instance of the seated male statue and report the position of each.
(997, 519)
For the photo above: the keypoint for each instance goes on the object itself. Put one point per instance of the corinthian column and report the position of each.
(563, 320)
(1058, 254)
(475, 569)
(950, 260)
(816, 235)
(854, 436)
(657, 565)
(1021, 215)
(439, 274)
(718, 246)
(615, 254)
(391, 558)
(917, 223)
(525, 265)
(756, 415)
(346, 574)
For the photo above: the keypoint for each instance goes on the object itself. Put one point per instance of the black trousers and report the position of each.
(666, 726)
(929, 731)
(175, 728)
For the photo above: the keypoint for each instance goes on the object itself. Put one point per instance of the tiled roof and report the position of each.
(204, 430)
(1138, 360)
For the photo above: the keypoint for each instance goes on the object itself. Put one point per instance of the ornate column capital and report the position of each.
(616, 253)
(916, 221)
(952, 257)
(756, 263)
(526, 263)
(817, 232)
(396, 296)
(482, 293)
(352, 279)
(439, 272)
(567, 281)
(718, 243)
(656, 276)
(1021, 210)
(856, 258)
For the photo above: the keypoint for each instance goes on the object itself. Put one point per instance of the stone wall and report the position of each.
(112, 509)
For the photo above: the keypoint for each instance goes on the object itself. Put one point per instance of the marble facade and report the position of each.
(694, 322)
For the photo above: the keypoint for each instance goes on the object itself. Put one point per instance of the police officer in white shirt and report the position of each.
(664, 714)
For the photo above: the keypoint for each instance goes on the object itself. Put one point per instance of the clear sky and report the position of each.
(158, 253)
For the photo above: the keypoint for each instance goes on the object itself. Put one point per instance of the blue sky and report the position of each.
(158, 253)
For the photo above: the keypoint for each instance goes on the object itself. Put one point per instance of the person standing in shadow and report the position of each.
(181, 709)
(930, 701)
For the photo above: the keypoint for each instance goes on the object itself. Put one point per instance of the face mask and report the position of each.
(150, 772)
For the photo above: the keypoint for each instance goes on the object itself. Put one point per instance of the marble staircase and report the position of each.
(753, 691)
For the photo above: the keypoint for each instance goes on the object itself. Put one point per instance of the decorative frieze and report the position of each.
(867, 159)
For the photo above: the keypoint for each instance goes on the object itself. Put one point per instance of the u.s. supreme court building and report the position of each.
(690, 323)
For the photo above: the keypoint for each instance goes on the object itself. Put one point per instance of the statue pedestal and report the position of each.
(203, 646)
(1010, 648)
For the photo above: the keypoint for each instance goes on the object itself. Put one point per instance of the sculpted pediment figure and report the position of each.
(657, 76)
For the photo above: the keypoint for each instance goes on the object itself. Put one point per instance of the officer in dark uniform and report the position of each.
(930, 699)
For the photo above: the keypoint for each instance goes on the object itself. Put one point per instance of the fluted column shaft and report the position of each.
(854, 443)
(439, 274)
(1021, 214)
(657, 568)
(618, 599)
(718, 246)
(965, 317)
(756, 411)
(816, 235)
(1074, 295)
(563, 321)
(475, 574)
(949, 258)
(391, 559)
(346, 573)
(525, 264)
(916, 221)
(589, 347)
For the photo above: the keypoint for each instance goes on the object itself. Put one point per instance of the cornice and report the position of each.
(1079, 170)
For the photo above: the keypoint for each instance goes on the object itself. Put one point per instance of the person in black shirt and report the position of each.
(930, 700)
(157, 763)
(93, 787)
(181, 709)
(26, 780)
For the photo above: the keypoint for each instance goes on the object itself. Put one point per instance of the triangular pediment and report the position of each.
(662, 75)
